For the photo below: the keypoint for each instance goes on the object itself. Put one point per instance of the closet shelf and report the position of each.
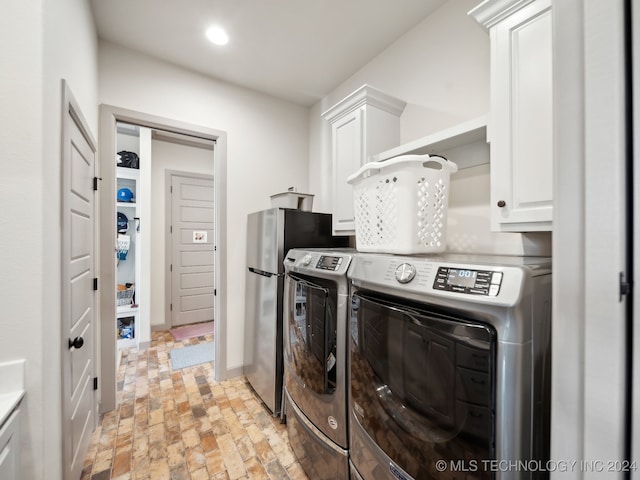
(126, 310)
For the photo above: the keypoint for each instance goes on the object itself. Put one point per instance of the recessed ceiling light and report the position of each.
(217, 35)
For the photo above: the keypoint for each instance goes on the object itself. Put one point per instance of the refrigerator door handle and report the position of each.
(265, 274)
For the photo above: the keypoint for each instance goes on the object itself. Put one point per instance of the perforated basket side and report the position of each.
(363, 223)
(376, 213)
(431, 214)
(386, 208)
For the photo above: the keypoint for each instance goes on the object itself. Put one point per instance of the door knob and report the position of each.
(77, 342)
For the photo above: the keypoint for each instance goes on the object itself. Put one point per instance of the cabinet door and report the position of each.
(521, 120)
(9, 448)
(347, 159)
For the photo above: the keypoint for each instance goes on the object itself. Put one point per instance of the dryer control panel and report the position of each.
(474, 282)
(479, 279)
(327, 262)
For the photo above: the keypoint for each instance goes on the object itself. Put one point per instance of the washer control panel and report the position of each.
(473, 282)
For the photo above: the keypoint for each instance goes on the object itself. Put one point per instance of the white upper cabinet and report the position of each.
(520, 122)
(363, 124)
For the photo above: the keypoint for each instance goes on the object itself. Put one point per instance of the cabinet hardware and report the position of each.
(77, 342)
(625, 287)
(501, 203)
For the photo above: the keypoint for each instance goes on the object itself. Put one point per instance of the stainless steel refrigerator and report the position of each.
(270, 235)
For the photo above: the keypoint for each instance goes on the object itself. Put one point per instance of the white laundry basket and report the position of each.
(401, 204)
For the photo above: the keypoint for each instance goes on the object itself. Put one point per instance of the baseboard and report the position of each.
(231, 373)
(162, 326)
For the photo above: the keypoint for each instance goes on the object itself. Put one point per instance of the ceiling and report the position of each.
(298, 50)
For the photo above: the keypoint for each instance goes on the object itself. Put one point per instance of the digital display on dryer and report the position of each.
(463, 278)
(473, 282)
(329, 263)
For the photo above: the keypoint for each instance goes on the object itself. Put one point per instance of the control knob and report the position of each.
(306, 260)
(405, 273)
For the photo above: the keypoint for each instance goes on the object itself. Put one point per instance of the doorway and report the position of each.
(109, 117)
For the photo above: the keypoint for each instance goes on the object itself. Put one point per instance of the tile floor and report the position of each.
(182, 425)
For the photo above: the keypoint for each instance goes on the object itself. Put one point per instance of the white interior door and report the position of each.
(78, 295)
(192, 247)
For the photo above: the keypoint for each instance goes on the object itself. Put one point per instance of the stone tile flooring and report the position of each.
(182, 425)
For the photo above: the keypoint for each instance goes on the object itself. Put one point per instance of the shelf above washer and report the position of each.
(465, 144)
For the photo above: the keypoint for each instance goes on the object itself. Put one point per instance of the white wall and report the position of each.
(167, 156)
(267, 147)
(21, 242)
(68, 27)
(441, 69)
(35, 40)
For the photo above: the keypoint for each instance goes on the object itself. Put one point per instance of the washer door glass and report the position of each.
(311, 332)
(422, 384)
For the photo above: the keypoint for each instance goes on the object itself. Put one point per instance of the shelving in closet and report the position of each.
(128, 266)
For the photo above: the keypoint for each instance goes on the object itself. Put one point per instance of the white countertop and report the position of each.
(11, 387)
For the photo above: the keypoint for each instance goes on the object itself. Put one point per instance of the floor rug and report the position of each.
(191, 355)
(190, 331)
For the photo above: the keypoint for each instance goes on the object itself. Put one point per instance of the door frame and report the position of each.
(589, 312)
(109, 116)
(168, 174)
(71, 113)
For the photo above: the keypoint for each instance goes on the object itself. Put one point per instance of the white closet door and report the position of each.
(192, 262)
